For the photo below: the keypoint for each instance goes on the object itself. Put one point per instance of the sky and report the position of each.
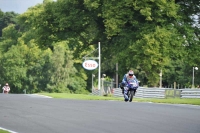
(18, 6)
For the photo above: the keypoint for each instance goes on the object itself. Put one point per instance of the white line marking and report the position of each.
(38, 95)
(7, 130)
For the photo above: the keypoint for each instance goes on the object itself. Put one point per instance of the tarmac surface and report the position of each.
(23, 113)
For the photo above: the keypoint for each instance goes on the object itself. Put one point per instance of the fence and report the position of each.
(161, 93)
(106, 88)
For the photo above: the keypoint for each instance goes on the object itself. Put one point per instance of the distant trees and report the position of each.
(42, 49)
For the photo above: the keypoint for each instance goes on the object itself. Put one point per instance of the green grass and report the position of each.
(93, 97)
(172, 101)
(3, 131)
(80, 96)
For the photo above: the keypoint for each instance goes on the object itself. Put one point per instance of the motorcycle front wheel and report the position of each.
(130, 95)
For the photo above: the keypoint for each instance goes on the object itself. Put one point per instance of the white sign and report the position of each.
(90, 64)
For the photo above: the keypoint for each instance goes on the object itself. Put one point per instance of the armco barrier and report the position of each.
(156, 93)
(190, 93)
(161, 93)
(150, 93)
(143, 93)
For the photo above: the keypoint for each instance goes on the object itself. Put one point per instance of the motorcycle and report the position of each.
(131, 89)
(6, 90)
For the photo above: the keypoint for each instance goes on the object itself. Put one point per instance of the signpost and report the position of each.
(92, 64)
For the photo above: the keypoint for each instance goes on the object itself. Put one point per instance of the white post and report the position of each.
(117, 76)
(99, 76)
(161, 78)
(102, 85)
(92, 83)
(196, 68)
(193, 77)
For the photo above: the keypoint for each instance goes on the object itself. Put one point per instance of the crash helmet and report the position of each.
(130, 73)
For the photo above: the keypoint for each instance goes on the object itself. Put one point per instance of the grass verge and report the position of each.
(94, 97)
(3, 131)
(172, 101)
(80, 96)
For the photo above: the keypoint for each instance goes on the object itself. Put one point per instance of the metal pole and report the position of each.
(193, 77)
(112, 83)
(102, 79)
(161, 78)
(116, 75)
(99, 76)
(92, 83)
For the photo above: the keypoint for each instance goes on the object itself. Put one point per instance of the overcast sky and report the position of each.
(18, 6)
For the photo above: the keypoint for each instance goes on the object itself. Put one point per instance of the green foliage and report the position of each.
(9, 38)
(6, 19)
(13, 67)
(155, 47)
(61, 68)
(43, 48)
(149, 45)
(77, 85)
(61, 20)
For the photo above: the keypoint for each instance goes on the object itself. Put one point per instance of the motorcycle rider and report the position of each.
(6, 88)
(125, 83)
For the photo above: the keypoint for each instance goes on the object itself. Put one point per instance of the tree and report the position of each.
(6, 19)
(146, 36)
(61, 69)
(13, 68)
(188, 27)
(9, 38)
(140, 32)
(59, 21)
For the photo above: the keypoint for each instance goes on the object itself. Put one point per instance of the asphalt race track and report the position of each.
(32, 114)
